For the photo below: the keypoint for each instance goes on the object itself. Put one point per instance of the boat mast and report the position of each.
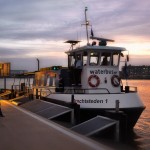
(86, 24)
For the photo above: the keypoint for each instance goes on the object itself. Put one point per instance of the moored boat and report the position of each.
(92, 79)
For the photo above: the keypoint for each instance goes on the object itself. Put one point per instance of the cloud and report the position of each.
(48, 19)
(34, 28)
(125, 18)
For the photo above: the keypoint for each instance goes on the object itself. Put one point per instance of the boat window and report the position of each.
(115, 59)
(78, 62)
(105, 59)
(84, 60)
(71, 61)
(94, 58)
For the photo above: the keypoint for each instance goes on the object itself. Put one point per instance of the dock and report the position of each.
(7, 92)
(21, 129)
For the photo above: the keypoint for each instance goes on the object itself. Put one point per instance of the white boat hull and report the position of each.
(92, 105)
(101, 101)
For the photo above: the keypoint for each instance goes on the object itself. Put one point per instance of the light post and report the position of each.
(38, 64)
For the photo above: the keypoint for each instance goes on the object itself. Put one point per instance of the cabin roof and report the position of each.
(97, 48)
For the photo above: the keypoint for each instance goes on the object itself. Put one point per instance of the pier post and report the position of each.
(117, 106)
(126, 89)
(37, 94)
(5, 83)
(72, 99)
(121, 117)
(117, 132)
(121, 88)
(76, 108)
(77, 113)
(72, 118)
(1, 114)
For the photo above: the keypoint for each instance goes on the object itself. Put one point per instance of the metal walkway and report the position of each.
(22, 130)
(46, 109)
(95, 125)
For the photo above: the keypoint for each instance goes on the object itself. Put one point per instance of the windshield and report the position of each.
(94, 58)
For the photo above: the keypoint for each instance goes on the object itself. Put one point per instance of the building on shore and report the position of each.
(136, 72)
(4, 69)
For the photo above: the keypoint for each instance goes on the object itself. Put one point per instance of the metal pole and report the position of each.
(38, 64)
(117, 106)
(86, 24)
(5, 83)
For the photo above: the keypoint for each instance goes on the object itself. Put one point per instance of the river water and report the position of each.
(140, 138)
(142, 128)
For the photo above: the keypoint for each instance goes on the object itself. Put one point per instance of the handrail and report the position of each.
(71, 90)
(79, 90)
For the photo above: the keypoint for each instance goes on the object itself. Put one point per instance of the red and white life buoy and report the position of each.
(94, 80)
(115, 80)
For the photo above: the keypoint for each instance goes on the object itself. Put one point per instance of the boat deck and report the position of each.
(23, 130)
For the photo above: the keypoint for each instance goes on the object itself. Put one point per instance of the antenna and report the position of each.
(72, 42)
(86, 24)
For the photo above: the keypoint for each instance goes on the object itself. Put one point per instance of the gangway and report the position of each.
(46, 109)
(95, 125)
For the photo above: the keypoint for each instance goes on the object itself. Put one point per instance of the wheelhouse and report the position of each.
(96, 67)
(95, 56)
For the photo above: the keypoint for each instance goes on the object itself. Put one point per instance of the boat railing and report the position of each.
(71, 90)
(86, 91)
(78, 90)
(45, 91)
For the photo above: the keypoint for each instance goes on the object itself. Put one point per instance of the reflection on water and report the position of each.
(139, 139)
(142, 127)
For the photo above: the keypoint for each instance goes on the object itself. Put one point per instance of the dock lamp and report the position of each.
(38, 64)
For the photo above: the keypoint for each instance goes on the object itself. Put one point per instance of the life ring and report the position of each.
(115, 80)
(96, 78)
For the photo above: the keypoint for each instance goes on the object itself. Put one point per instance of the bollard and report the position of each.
(72, 99)
(121, 88)
(37, 96)
(76, 112)
(1, 114)
(127, 89)
(117, 106)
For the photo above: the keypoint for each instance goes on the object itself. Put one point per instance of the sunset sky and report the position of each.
(31, 29)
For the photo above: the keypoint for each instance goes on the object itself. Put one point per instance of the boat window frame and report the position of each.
(118, 62)
(80, 55)
(102, 59)
(69, 60)
(111, 58)
(89, 57)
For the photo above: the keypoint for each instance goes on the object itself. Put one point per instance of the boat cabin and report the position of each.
(96, 66)
(93, 68)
